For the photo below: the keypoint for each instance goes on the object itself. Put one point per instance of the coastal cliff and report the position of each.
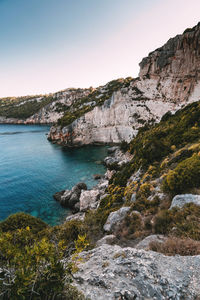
(168, 80)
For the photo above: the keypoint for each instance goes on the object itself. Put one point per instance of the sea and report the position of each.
(32, 169)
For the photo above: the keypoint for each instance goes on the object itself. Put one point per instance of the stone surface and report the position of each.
(133, 198)
(57, 196)
(78, 216)
(88, 199)
(111, 272)
(181, 200)
(115, 218)
(107, 239)
(71, 197)
(144, 244)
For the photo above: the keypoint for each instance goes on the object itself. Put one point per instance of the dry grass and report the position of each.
(174, 246)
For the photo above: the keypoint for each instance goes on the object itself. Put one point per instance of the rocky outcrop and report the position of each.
(111, 272)
(145, 243)
(69, 198)
(175, 67)
(168, 79)
(115, 218)
(109, 239)
(181, 200)
(89, 200)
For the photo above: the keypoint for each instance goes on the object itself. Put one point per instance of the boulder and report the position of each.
(144, 244)
(109, 174)
(115, 218)
(112, 149)
(65, 198)
(57, 196)
(133, 197)
(81, 186)
(79, 217)
(71, 197)
(111, 272)
(109, 161)
(107, 239)
(88, 199)
(97, 176)
(181, 200)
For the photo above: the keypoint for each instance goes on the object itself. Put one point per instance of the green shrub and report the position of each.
(22, 220)
(183, 222)
(124, 146)
(184, 177)
(30, 265)
(176, 246)
(145, 206)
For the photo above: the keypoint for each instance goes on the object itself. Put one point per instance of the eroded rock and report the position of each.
(111, 272)
(115, 218)
(181, 200)
(89, 199)
(144, 244)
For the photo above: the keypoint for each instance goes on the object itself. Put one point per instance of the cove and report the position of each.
(32, 169)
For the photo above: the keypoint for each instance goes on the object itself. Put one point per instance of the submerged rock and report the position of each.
(181, 200)
(97, 176)
(111, 272)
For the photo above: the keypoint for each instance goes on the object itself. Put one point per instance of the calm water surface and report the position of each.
(33, 169)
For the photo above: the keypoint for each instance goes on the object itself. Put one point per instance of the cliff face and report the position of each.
(169, 79)
(118, 119)
(45, 109)
(175, 67)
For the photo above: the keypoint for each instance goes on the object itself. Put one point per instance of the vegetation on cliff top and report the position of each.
(96, 98)
(23, 107)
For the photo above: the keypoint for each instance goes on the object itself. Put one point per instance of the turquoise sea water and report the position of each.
(32, 169)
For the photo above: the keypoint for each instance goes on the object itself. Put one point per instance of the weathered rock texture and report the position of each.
(49, 113)
(181, 200)
(175, 67)
(115, 218)
(111, 272)
(168, 79)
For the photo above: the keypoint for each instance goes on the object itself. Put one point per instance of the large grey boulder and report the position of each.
(89, 199)
(78, 217)
(111, 272)
(115, 218)
(144, 244)
(181, 200)
(109, 239)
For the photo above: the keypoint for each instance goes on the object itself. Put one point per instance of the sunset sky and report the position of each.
(50, 45)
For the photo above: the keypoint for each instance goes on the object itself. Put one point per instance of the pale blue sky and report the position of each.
(49, 45)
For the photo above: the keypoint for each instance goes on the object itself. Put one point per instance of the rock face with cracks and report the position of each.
(111, 272)
(169, 79)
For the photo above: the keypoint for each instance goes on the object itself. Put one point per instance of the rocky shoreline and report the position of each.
(79, 199)
(120, 269)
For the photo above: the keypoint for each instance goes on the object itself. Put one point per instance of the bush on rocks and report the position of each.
(184, 177)
(176, 246)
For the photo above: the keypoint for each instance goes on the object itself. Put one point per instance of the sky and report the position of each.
(50, 45)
